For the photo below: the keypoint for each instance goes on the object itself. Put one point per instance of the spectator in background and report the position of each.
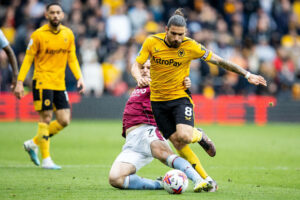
(91, 27)
(76, 23)
(261, 25)
(118, 26)
(266, 5)
(113, 70)
(282, 15)
(111, 7)
(8, 26)
(138, 16)
(91, 69)
(264, 51)
(35, 11)
(157, 9)
(285, 68)
(4, 44)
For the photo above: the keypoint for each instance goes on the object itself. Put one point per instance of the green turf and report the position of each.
(252, 162)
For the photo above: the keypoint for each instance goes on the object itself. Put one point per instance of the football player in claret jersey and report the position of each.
(12, 58)
(144, 142)
(170, 55)
(50, 47)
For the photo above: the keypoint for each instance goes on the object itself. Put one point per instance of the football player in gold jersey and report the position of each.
(170, 55)
(50, 47)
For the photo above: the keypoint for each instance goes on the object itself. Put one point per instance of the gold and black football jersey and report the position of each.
(169, 66)
(51, 51)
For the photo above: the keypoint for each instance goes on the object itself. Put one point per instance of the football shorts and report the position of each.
(136, 149)
(168, 114)
(44, 99)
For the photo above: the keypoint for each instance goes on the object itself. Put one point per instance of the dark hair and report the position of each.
(52, 4)
(177, 19)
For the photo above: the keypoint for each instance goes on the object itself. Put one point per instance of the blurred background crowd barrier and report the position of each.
(261, 36)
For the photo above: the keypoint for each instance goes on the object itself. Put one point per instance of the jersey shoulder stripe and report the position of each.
(154, 36)
(187, 39)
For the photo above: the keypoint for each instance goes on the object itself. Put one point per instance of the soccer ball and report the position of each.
(175, 181)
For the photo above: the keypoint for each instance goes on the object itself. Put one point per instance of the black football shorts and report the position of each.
(168, 114)
(44, 99)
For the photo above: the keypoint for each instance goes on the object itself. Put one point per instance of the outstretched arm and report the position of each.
(136, 73)
(252, 78)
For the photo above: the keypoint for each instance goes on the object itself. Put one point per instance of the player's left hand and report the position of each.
(257, 80)
(80, 86)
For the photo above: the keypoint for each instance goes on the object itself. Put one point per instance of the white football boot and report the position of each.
(213, 183)
(47, 163)
(202, 185)
(32, 150)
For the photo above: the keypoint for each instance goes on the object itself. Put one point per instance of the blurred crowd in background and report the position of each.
(261, 36)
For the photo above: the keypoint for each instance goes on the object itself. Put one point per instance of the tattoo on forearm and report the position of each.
(229, 66)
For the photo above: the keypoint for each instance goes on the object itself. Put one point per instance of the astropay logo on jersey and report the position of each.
(158, 60)
(56, 51)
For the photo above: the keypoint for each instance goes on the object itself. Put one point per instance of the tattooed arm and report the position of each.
(252, 78)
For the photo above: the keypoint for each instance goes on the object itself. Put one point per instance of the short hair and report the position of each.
(177, 19)
(52, 4)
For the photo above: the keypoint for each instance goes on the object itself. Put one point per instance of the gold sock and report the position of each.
(187, 153)
(36, 140)
(54, 127)
(197, 135)
(43, 139)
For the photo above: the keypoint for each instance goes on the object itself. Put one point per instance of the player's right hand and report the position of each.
(257, 80)
(19, 90)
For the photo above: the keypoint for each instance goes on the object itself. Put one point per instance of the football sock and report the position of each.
(197, 135)
(181, 164)
(36, 140)
(43, 139)
(188, 154)
(54, 128)
(135, 182)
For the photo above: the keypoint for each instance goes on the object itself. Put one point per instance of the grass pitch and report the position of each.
(252, 162)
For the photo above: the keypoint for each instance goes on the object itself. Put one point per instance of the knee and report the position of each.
(64, 121)
(46, 118)
(179, 141)
(184, 137)
(116, 181)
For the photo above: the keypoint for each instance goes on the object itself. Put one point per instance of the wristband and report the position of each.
(247, 75)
